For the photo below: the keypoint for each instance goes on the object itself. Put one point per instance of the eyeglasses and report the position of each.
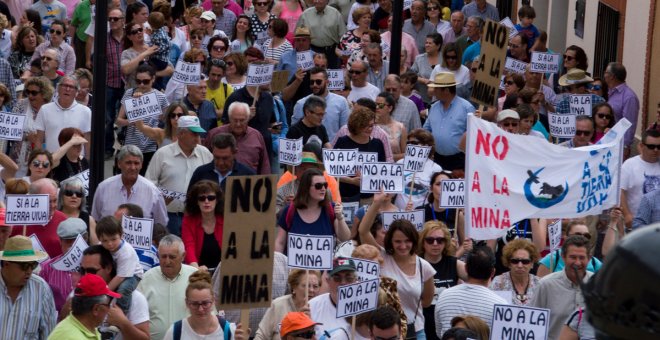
(316, 82)
(509, 82)
(568, 58)
(594, 87)
(67, 86)
(261, 3)
(229, 63)
(396, 337)
(114, 19)
(585, 235)
(56, 32)
(40, 164)
(142, 81)
(32, 93)
(204, 304)
(83, 270)
(652, 146)
(203, 198)
(474, 70)
(136, 31)
(603, 116)
(26, 266)
(510, 124)
(523, 261)
(340, 279)
(71, 193)
(434, 240)
(451, 57)
(196, 37)
(306, 335)
(176, 115)
(219, 48)
(46, 58)
(582, 133)
(355, 72)
(319, 186)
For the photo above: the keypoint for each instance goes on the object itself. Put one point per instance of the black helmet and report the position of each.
(623, 298)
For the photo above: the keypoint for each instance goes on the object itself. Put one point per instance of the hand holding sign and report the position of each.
(357, 298)
(145, 106)
(415, 158)
(310, 252)
(260, 74)
(305, 60)
(519, 322)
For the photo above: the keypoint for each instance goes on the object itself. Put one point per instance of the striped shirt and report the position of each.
(465, 299)
(275, 53)
(113, 53)
(133, 135)
(31, 316)
(60, 282)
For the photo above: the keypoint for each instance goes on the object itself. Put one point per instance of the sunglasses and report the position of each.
(594, 87)
(603, 116)
(219, 48)
(434, 240)
(136, 31)
(25, 266)
(323, 185)
(261, 3)
(316, 82)
(510, 124)
(83, 270)
(509, 82)
(71, 193)
(523, 261)
(474, 70)
(176, 115)
(114, 19)
(568, 58)
(355, 72)
(56, 32)
(142, 81)
(652, 146)
(32, 93)
(196, 37)
(305, 335)
(585, 235)
(451, 57)
(380, 105)
(582, 133)
(39, 164)
(203, 198)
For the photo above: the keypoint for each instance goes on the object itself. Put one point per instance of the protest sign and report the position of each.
(554, 234)
(336, 79)
(291, 151)
(305, 60)
(494, 44)
(187, 73)
(310, 251)
(580, 104)
(544, 62)
(509, 24)
(507, 295)
(175, 195)
(407, 4)
(70, 262)
(505, 185)
(259, 74)
(349, 209)
(415, 157)
(138, 232)
(142, 107)
(36, 245)
(364, 158)
(340, 162)
(261, 38)
(27, 210)
(248, 242)
(84, 178)
(357, 298)
(11, 126)
(366, 270)
(561, 126)
(453, 193)
(515, 66)
(385, 176)
(416, 217)
(518, 322)
(280, 80)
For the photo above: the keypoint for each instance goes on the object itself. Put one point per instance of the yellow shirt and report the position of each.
(219, 96)
(71, 329)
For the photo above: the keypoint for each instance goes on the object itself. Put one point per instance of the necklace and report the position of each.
(521, 297)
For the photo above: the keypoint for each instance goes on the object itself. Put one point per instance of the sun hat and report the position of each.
(302, 32)
(19, 249)
(575, 76)
(443, 79)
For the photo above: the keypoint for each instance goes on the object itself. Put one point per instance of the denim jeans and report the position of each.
(126, 289)
(112, 103)
(174, 223)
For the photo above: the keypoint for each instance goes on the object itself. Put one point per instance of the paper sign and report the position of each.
(545, 62)
(494, 44)
(515, 66)
(138, 231)
(519, 322)
(142, 107)
(179, 196)
(507, 295)
(365, 157)
(416, 217)
(509, 24)
(36, 244)
(385, 176)
(340, 162)
(261, 38)
(580, 104)
(280, 80)
(310, 252)
(259, 74)
(305, 60)
(336, 80)
(453, 193)
(415, 158)
(554, 234)
(291, 151)
(407, 4)
(11, 126)
(27, 210)
(366, 270)
(70, 262)
(561, 126)
(357, 298)
(187, 73)
(349, 209)
(84, 178)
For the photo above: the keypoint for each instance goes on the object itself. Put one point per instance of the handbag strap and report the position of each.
(421, 282)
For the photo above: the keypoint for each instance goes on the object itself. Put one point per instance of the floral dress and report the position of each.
(503, 283)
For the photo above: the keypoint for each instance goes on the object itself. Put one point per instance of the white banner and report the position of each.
(416, 217)
(453, 193)
(580, 104)
(11, 126)
(512, 177)
(340, 162)
(515, 66)
(561, 126)
(366, 270)
(142, 107)
(138, 231)
(357, 298)
(310, 252)
(385, 176)
(291, 151)
(336, 79)
(415, 157)
(27, 210)
(70, 262)
(554, 234)
(305, 60)
(518, 322)
(545, 62)
(36, 244)
(259, 74)
(84, 178)
(187, 73)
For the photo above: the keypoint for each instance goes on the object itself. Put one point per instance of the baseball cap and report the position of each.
(340, 264)
(93, 285)
(295, 321)
(71, 228)
(504, 114)
(191, 123)
(208, 15)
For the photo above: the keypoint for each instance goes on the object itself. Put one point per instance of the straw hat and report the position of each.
(19, 249)
(302, 32)
(574, 76)
(443, 79)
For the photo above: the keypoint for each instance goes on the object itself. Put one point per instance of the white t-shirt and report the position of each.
(188, 333)
(52, 118)
(325, 312)
(409, 286)
(138, 312)
(462, 75)
(127, 261)
(639, 177)
(5, 44)
(421, 188)
(370, 91)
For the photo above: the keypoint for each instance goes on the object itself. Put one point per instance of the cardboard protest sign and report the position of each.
(138, 232)
(385, 176)
(291, 151)
(554, 234)
(357, 298)
(187, 73)
(515, 66)
(310, 252)
(280, 80)
(509, 24)
(561, 126)
(415, 157)
(580, 104)
(175, 195)
(259, 74)
(416, 217)
(248, 241)
(70, 262)
(364, 158)
(519, 322)
(305, 60)
(142, 107)
(349, 209)
(494, 44)
(84, 178)
(544, 62)
(27, 210)
(36, 245)
(11, 126)
(505, 185)
(453, 193)
(366, 270)
(340, 162)
(336, 79)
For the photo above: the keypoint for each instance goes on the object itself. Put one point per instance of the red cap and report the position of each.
(295, 321)
(93, 285)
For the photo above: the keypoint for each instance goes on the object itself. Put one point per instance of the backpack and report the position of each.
(329, 210)
(223, 324)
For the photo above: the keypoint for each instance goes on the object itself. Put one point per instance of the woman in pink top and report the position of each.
(289, 11)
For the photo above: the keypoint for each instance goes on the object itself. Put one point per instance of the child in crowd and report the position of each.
(127, 264)
(526, 16)
(159, 38)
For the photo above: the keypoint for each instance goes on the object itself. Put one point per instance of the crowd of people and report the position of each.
(172, 168)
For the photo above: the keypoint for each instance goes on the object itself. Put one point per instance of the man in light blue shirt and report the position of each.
(483, 9)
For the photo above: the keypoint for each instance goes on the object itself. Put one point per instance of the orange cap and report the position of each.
(295, 321)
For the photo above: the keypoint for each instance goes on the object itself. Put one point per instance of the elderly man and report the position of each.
(517, 48)
(164, 286)
(50, 62)
(47, 234)
(224, 19)
(302, 41)
(224, 162)
(378, 68)
(405, 110)
(508, 120)
(482, 9)
(129, 187)
(623, 100)
(196, 102)
(65, 112)
(584, 130)
(327, 26)
(311, 124)
(250, 143)
(89, 307)
(26, 302)
(473, 26)
(417, 26)
(173, 165)
(457, 29)
(575, 81)
(360, 87)
(407, 43)
(323, 308)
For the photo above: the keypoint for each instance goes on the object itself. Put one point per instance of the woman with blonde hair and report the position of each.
(472, 323)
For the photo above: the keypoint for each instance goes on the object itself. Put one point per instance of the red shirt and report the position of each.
(47, 234)
(192, 235)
